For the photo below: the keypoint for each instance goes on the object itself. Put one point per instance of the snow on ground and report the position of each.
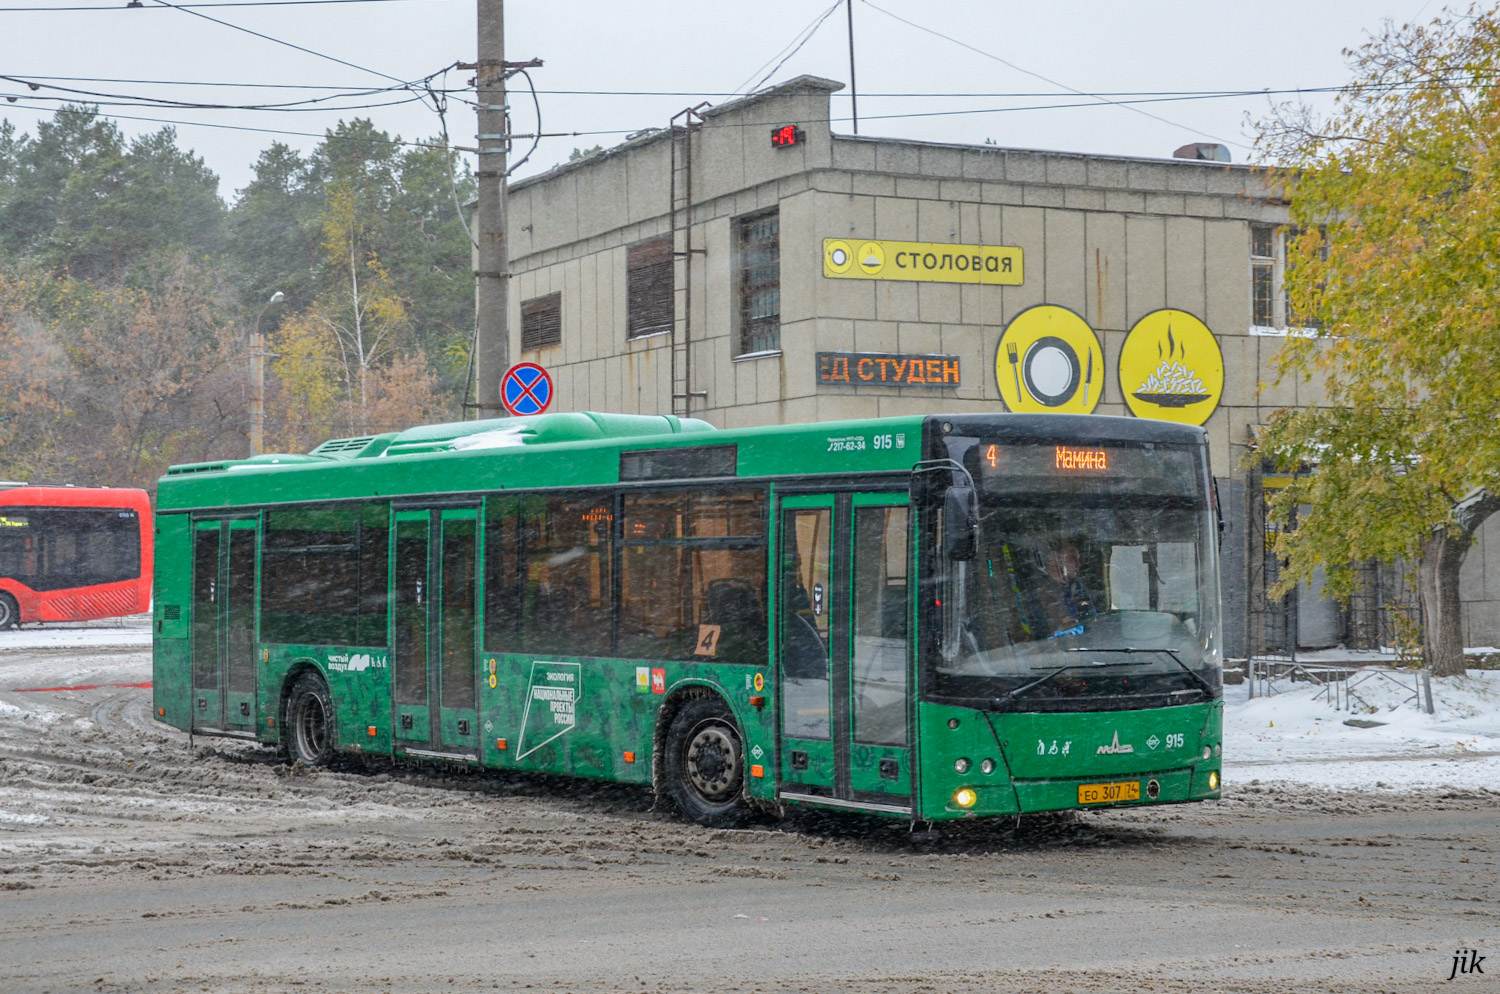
(1295, 735)
(134, 630)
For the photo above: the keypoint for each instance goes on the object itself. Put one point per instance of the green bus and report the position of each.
(924, 617)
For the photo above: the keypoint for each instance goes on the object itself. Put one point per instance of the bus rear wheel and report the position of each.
(10, 612)
(705, 768)
(309, 722)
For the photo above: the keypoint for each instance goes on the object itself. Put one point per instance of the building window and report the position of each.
(1270, 305)
(648, 293)
(541, 322)
(759, 241)
(1264, 276)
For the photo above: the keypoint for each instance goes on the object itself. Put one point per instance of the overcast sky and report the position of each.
(1031, 58)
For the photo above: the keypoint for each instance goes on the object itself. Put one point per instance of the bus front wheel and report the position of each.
(705, 768)
(309, 722)
(10, 612)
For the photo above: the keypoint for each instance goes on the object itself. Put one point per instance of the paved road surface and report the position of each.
(130, 863)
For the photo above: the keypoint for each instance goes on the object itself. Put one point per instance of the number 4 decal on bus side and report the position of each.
(708, 640)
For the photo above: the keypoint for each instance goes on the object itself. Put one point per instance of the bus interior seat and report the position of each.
(731, 602)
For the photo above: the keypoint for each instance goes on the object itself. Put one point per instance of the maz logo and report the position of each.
(1114, 748)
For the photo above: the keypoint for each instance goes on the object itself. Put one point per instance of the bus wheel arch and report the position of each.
(699, 759)
(308, 723)
(10, 612)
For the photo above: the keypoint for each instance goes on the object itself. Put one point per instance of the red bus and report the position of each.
(73, 553)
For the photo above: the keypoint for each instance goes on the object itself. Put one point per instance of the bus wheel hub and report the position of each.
(711, 759)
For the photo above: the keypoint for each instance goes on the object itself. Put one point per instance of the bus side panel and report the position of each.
(171, 664)
(567, 715)
(597, 717)
(359, 682)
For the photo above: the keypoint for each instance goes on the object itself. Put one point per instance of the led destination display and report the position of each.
(1008, 467)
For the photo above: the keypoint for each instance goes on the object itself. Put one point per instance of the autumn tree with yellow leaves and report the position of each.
(1396, 195)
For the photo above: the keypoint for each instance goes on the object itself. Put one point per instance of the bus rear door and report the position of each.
(436, 559)
(223, 632)
(844, 652)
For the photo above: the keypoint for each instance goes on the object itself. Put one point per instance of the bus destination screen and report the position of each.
(1076, 467)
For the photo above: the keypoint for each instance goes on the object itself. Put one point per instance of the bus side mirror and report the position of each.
(960, 523)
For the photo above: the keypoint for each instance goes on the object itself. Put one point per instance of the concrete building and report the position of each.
(749, 266)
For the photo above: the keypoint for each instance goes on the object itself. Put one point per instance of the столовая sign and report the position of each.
(928, 262)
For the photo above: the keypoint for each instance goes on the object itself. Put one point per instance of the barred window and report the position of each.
(649, 286)
(759, 242)
(1270, 265)
(541, 321)
(1263, 276)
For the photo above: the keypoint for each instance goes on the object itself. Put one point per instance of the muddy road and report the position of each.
(130, 862)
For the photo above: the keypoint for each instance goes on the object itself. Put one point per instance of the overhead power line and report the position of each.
(264, 131)
(1037, 75)
(707, 94)
(138, 100)
(279, 41)
(796, 42)
(227, 3)
(798, 47)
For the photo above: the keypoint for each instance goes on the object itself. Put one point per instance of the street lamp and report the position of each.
(258, 378)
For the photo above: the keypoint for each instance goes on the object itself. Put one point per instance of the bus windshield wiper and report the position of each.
(1171, 654)
(1000, 703)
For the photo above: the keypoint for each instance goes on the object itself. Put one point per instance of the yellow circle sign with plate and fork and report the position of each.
(1049, 361)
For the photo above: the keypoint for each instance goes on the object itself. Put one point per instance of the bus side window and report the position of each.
(557, 558)
(693, 576)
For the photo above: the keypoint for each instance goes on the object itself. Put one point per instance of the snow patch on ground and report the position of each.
(133, 631)
(1297, 736)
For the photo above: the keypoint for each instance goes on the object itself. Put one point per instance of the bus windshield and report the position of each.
(1094, 586)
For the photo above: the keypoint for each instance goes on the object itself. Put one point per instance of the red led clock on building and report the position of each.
(787, 135)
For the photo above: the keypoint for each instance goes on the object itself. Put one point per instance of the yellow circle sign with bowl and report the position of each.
(1171, 368)
(1049, 361)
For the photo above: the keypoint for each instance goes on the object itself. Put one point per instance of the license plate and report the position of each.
(1105, 793)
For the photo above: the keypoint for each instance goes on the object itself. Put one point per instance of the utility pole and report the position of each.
(258, 379)
(491, 253)
(491, 257)
(853, 90)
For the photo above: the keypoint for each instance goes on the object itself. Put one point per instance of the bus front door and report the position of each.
(223, 632)
(844, 652)
(436, 560)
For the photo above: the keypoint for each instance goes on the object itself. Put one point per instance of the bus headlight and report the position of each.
(1208, 752)
(965, 797)
(961, 766)
(987, 766)
(1213, 780)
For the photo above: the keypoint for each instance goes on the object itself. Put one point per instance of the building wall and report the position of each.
(1111, 239)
